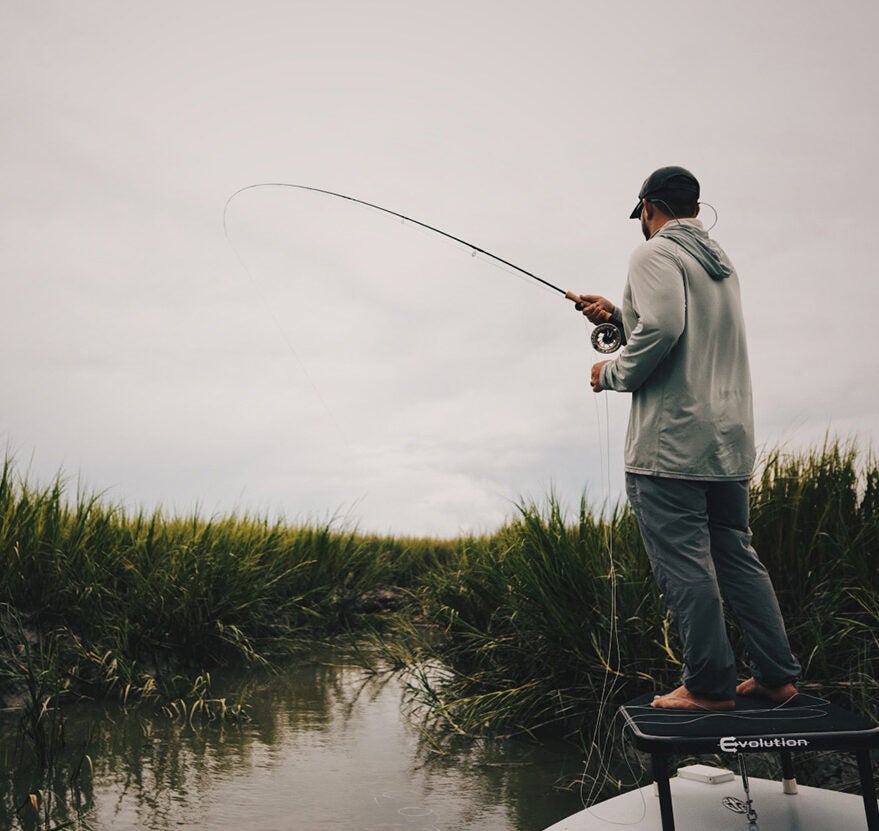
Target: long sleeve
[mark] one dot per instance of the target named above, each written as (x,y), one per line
(658,302)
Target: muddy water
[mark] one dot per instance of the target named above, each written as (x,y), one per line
(327,747)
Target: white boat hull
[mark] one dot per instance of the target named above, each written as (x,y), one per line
(698,806)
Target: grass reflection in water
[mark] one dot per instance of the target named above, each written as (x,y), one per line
(328,746)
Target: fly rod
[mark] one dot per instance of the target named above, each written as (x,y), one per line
(606,337)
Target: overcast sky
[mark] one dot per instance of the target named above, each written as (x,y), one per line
(355,366)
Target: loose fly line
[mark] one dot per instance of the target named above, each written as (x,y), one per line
(606,338)
(601,738)
(283,333)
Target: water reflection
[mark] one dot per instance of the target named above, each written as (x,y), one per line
(327,748)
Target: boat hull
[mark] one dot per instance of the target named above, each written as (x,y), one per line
(699,806)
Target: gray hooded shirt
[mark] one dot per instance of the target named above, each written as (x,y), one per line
(685,360)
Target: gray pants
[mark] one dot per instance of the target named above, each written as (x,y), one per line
(699,544)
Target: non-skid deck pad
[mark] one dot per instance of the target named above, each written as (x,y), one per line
(824,724)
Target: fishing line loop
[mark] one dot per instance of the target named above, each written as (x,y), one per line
(716,215)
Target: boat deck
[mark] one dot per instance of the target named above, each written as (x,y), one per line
(701,806)
(808,723)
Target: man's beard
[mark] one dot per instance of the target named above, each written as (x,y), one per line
(644,229)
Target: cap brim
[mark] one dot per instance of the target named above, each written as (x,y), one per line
(637,212)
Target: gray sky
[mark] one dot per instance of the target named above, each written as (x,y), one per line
(364,368)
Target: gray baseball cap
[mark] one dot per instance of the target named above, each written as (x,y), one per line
(666,181)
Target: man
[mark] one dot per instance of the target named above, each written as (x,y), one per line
(690,450)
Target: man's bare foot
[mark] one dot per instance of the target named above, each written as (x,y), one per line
(777,695)
(683,699)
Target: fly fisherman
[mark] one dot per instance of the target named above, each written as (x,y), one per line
(689,449)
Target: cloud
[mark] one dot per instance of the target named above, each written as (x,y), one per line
(356,364)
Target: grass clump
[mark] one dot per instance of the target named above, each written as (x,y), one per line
(546,620)
(535,625)
(815,516)
(134,601)
(540,621)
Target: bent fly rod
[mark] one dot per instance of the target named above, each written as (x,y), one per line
(606,337)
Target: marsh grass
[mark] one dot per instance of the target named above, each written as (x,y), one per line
(816,525)
(136,601)
(545,625)
(96,601)
(547,620)
(542,621)
(548,625)
(32,659)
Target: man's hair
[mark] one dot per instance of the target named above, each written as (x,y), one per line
(678,204)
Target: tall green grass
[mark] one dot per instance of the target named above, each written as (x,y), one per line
(134,601)
(815,516)
(548,618)
(538,623)
(533,625)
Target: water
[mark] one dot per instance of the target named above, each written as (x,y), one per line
(328,747)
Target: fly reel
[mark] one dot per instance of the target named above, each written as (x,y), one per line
(606,338)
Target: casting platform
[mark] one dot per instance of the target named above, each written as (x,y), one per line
(808,723)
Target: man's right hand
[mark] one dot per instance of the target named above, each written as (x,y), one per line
(596,309)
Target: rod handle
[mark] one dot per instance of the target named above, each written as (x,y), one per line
(575,299)
(578,305)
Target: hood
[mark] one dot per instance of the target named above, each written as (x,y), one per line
(694,239)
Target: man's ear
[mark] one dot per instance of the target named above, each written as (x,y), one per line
(649,210)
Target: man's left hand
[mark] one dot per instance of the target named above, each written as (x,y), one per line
(596,375)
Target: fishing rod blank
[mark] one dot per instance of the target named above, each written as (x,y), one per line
(606,337)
